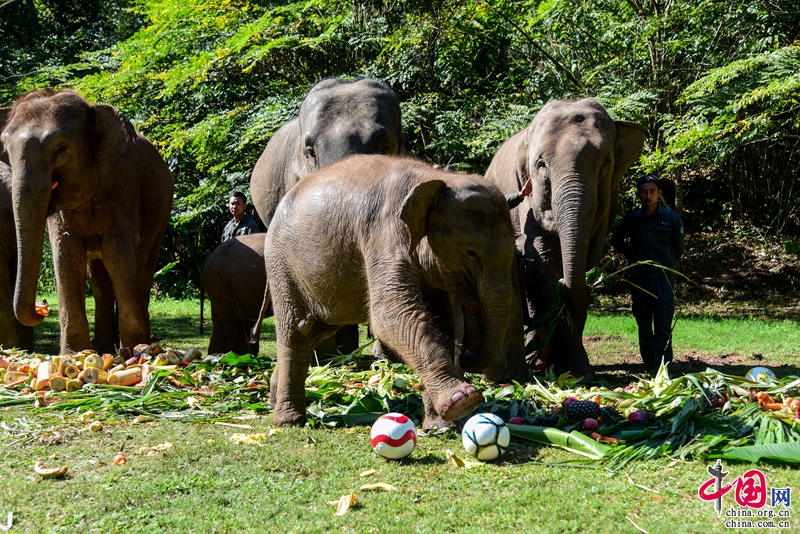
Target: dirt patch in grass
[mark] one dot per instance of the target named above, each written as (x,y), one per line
(733,273)
(629,365)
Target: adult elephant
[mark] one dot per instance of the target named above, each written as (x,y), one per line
(105,194)
(234,278)
(576,156)
(389,241)
(337,119)
(12,332)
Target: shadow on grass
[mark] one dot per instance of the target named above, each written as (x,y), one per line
(617,374)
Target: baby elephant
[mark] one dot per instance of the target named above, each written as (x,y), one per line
(389,241)
(233,277)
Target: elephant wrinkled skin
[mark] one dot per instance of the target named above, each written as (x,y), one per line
(389,241)
(576,156)
(12,332)
(105,194)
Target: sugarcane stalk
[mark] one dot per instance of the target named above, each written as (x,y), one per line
(126,377)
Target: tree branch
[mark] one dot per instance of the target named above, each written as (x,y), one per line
(575,81)
(6,3)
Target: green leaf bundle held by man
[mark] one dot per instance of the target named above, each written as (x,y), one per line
(652,234)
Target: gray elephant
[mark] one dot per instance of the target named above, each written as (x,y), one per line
(105,194)
(234,278)
(12,332)
(576,155)
(337,119)
(389,241)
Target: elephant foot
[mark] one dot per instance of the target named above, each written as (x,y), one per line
(288,415)
(461,403)
(433,422)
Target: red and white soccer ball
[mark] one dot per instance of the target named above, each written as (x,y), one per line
(485,436)
(393,436)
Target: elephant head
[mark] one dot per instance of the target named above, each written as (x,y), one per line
(467,250)
(337,119)
(60,148)
(576,155)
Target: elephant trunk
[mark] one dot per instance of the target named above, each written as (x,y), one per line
(578,206)
(30,202)
(495,298)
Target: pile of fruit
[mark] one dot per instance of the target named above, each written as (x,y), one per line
(71,372)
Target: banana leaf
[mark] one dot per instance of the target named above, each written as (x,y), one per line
(782,452)
(573,442)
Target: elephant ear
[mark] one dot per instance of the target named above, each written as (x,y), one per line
(521,159)
(113,134)
(627,149)
(415,208)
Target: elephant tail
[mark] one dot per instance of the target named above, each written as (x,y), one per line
(255,333)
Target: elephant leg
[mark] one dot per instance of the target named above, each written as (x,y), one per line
(238,335)
(69,262)
(134,320)
(287,384)
(218,344)
(427,349)
(12,332)
(566,351)
(105,335)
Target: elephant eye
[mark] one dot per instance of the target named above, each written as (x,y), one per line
(540,163)
(310,151)
(59,151)
(473,255)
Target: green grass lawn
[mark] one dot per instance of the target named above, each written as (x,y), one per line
(204,482)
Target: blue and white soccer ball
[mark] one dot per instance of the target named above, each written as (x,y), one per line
(760,375)
(485,436)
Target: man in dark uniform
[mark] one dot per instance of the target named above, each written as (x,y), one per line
(242,223)
(652,233)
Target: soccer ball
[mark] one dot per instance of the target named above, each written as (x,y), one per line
(485,436)
(393,436)
(761,375)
